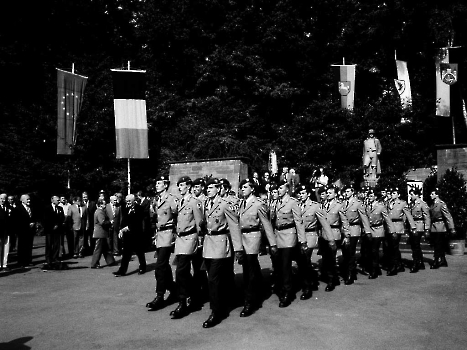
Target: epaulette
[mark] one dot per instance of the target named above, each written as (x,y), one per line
(295,199)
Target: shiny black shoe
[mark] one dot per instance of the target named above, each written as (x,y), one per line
(285,301)
(181,311)
(421,265)
(400,268)
(96,267)
(373,276)
(436,264)
(348,281)
(443,262)
(307,294)
(364,272)
(414,268)
(330,287)
(118,273)
(141,271)
(247,310)
(392,272)
(157,303)
(212,321)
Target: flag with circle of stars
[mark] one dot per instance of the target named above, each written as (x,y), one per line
(70,88)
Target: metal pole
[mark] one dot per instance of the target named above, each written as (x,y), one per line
(129,178)
(453,131)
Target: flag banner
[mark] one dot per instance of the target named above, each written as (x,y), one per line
(272,166)
(403,84)
(344,75)
(70,94)
(448,90)
(131,127)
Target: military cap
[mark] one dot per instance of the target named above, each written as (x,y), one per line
(273,187)
(199,181)
(213,181)
(322,189)
(416,191)
(225,182)
(283,182)
(249,181)
(301,188)
(185,179)
(371,131)
(347,187)
(395,189)
(163,178)
(371,191)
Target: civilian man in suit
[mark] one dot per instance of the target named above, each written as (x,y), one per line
(223,233)
(114,213)
(4,232)
(132,235)
(145,204)
(13,205)
(289,230)
(441,221)
(253,213)
(165,216)
(102,225)
(27,220)
(77,218)
(355,212)
(421,215)
(90,207)
(54,222)
(189,220)
(67,234)
(399,213)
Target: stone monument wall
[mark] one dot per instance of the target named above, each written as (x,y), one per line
(449,156)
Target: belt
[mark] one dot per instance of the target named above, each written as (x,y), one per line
(166,227)
(335,226)
(251,229)
(310,230)
(187,233)
(285,227)
(354,224)
(397,220)
(418,219)
(376,225)
(217,233)
(437,220)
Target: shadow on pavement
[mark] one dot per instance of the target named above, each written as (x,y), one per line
(17,344)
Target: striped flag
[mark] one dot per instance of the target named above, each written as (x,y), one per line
(448,90)
(403,84)
(131,127)
(344,75)
(70,88)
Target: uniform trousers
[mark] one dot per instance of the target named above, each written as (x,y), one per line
(284,264)
(329,266)
(102,248)
(78,238)
(25,245)
(183,277)
(308,275)
(394,251)
(163,271)
(252,278)
(52,247)
(440,241)
(349,267)
(365,252)
(415,239)
(4,250)
(200,277)
(130,246)
(375,243)
(218,282)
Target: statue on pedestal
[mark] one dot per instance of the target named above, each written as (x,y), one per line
(371,165)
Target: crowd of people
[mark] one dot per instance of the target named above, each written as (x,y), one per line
(207,228)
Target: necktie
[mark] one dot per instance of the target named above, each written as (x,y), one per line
(79,211)
(28,210)
(244,204)
(182,202)
(113,210)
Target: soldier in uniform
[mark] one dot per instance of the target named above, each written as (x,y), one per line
(289,230)
(421,215)
(399,213)
(339,226)
(164,216)
(355,212)
(198,189)
(223,233)
(189,219)
(253,214)
(441,221)
(377,215)
(314,221)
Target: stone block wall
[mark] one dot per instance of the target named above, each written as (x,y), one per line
(449,156)
(232,169)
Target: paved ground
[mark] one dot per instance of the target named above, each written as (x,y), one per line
(90,309)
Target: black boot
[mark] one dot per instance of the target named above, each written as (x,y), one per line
(180,311)
(415,268)
(443,262)
(156,304)
(436,264)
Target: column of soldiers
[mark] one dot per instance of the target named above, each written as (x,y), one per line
(208,229)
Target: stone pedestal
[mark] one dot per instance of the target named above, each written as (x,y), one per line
(449,156)
(232,169)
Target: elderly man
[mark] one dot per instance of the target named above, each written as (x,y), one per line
(54,224)
(77,218)
(114,213)
(132,235)
(27,220)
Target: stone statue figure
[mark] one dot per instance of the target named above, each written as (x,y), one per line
(371,151)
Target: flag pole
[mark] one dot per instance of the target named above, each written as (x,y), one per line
(74,122)
(129,176)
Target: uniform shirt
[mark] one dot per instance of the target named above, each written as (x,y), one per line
(312,213)
(253,213)
(189,219)
(378,215)
(288,221)
(421,214)
(164,215)
(399,213)
(355,213)
(222,229)
(336,218)
(440,216)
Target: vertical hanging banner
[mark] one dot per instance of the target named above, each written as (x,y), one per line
(448,90)
(70,88)
(344,75)
(131,127)
(403,84)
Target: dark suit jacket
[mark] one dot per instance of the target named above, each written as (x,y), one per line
(4,223)
(24,220)
(133,219)
(117,219)
(91,208)
(145,205)
(53,220)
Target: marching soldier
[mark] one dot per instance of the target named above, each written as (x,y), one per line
(189,220)
(198,189)
(253,213)
(165,214)
(223,232)
(377,215)
(314,220)
(399,213)
(441,221)
(355,212)
(289,230)
(339,223)
(421,215)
